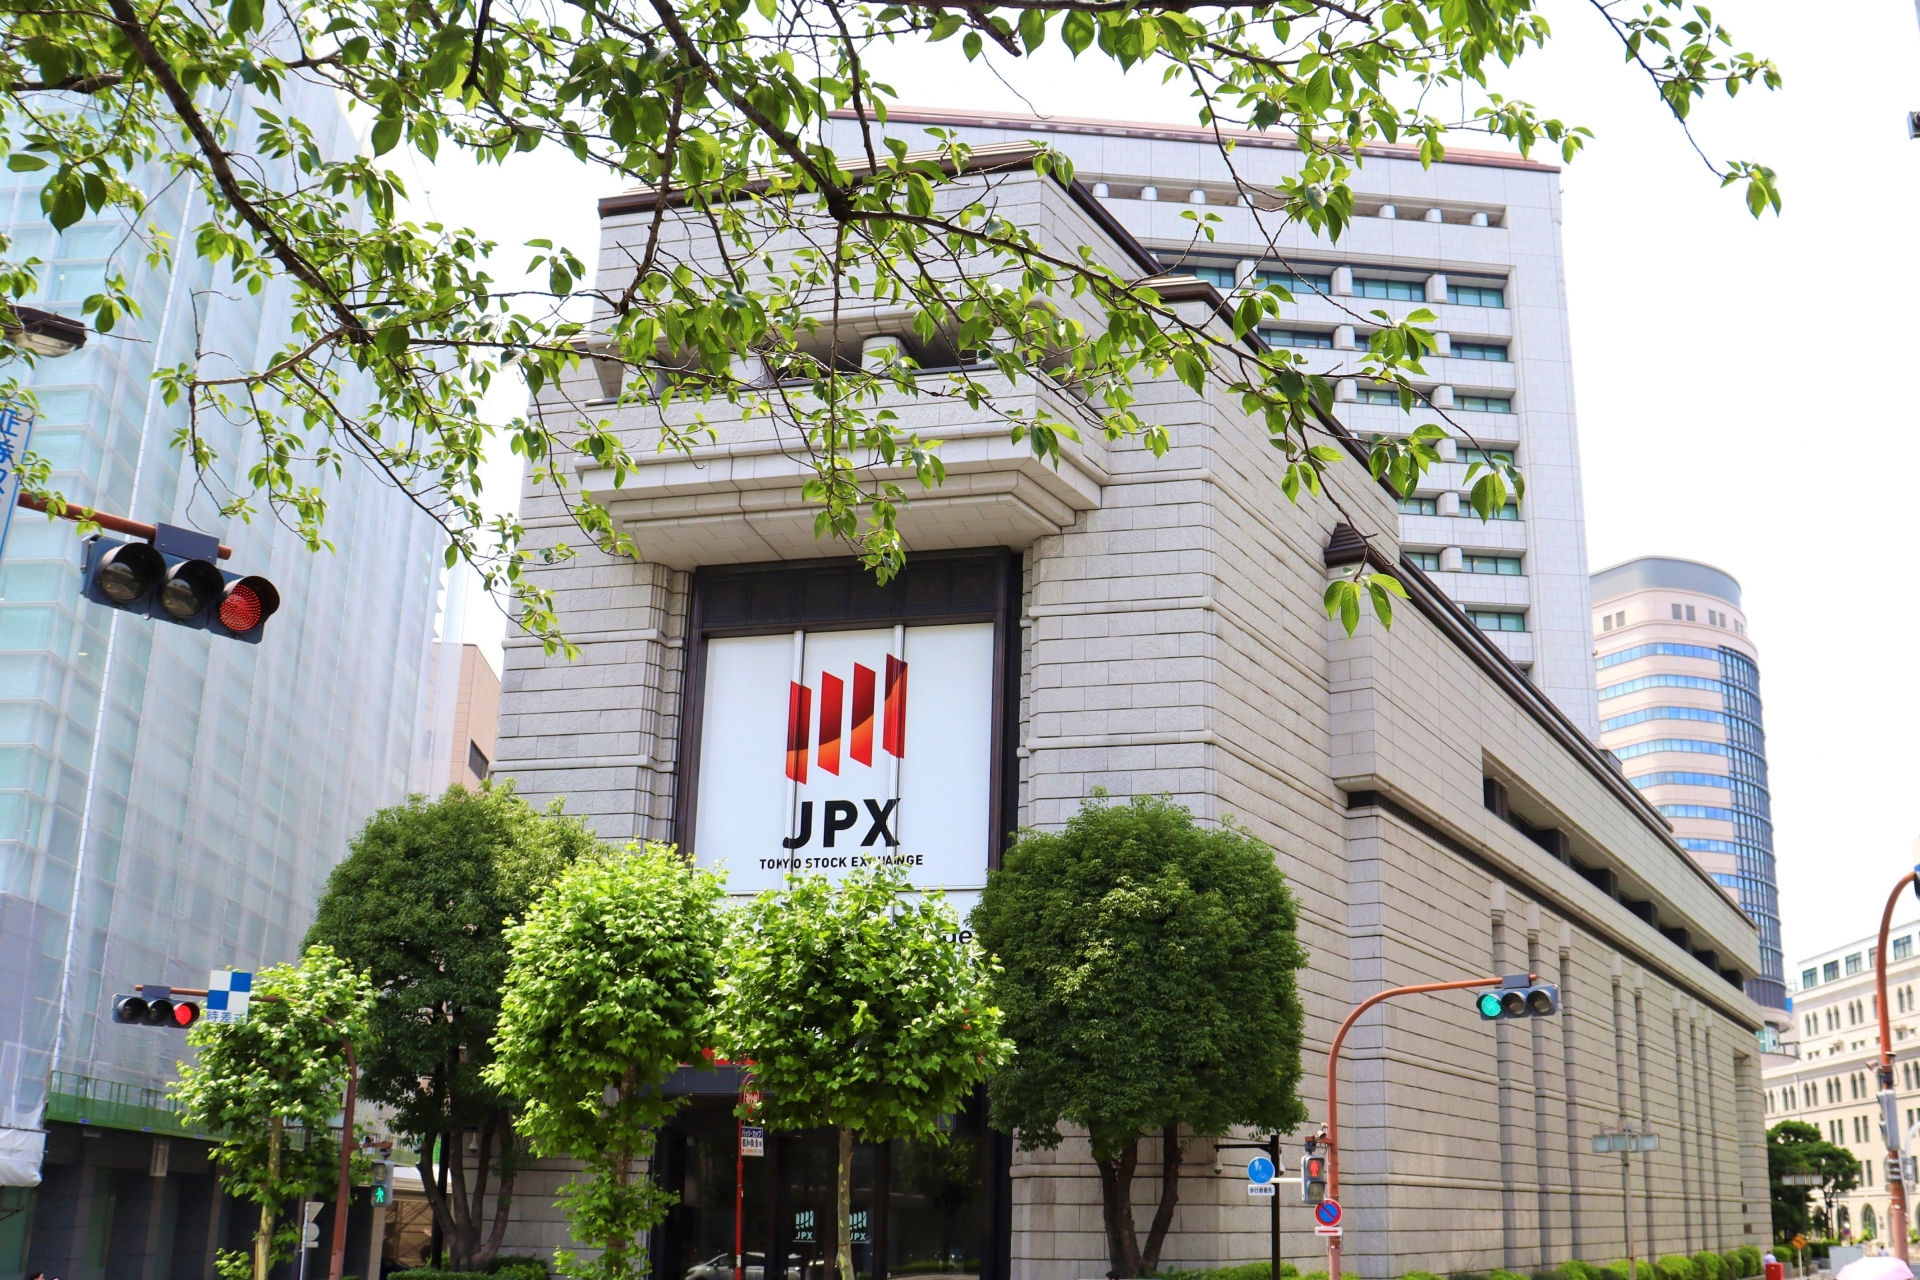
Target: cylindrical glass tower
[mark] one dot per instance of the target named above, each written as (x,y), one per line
(1680,707)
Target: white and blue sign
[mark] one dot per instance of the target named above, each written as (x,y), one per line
(229,992)
(16,428)
(1327,1213)
(1260,1169)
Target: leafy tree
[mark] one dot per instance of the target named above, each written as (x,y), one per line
(611,987)
(1794,1146)
(422,905)
(270,1087)
(721,102)
(860,1010)
(1148,977)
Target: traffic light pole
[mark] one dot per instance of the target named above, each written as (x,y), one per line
(1333,1087)
(1896,1188)
(119,524)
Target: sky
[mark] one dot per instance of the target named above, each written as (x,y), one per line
(1719,365)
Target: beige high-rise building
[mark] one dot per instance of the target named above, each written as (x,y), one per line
(1680,707)
(1831,1052)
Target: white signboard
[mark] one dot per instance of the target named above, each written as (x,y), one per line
(229,991)
(827,751)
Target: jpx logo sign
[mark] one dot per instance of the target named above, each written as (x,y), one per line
(854,779)
(856,701)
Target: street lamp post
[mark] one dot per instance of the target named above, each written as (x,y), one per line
(1889,1100)
(1626,1140)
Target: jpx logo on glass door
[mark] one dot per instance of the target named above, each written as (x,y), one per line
(855,773)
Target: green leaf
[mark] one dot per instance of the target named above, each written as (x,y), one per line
(386,133)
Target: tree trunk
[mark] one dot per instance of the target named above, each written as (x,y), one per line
(843,1193)
(1116,1210)
(263,1234)
(430,1185)
(503,1199)
(1170,1154)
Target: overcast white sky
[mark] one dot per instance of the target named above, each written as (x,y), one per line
(1738,381)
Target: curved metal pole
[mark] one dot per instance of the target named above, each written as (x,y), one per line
(1333,1085)
(1896,1191)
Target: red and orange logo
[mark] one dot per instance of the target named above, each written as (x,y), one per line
(859,726)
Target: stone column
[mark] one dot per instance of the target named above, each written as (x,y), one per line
(1567,1067)
(1503,1065)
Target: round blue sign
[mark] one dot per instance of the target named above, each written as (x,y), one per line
(1327,1213)
(1259,1169)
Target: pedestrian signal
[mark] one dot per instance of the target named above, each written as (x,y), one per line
(1313,1174)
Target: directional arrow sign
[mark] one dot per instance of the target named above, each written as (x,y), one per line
(1327,1213)
(1260,1169)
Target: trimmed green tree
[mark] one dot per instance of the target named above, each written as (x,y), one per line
(270,1086)
(1147,973)
(1794,1146)
(611,986)
(860,1010)
(422,905)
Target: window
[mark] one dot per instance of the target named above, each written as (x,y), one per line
(1378,395)
(1659,682)
(1297,338)
(1483,404)
(1674,778)
(1809,977)
(1420,506)
(1853,964)
(1707,812)
(1902,947)
(1807,1097)
(1398,290)
(1690,617)
(1662,713)
(1470,295)
(1218,277)
(1676,613)
(1695,745)
(1620,618)
(1509,512)
(1505,565)
(1479,350)
(1296,283)
(1607,623)
(1830,971)
(1485,456)
(1428,560)
(1497,620)
(1661,650)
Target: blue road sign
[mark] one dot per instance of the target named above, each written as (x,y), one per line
(1260,1169)
(1327,1213)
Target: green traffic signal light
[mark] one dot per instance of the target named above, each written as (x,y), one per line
(1489,1005)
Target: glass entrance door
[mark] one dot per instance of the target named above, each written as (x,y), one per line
(935,1196)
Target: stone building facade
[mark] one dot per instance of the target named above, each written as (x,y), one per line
(1157,628)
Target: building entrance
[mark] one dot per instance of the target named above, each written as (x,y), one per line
(920,1208)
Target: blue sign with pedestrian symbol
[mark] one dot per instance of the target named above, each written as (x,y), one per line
(1327,1213)
(1260,1169)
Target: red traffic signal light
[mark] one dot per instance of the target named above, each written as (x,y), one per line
(176,580)
(155,1011)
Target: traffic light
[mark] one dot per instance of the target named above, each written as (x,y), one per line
(1313,1174)
(382,1183)
(176,578)
(1518,996)
(155,1007)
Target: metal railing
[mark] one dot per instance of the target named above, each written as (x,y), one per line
(79,1099)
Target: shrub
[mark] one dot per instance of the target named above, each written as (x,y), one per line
(508,1268)
(1735,1262)
(1500,1273)
(1711,1265)
(1574,1269)
(1618,1271)
(1420,1275)
(1677,1266)
(1240,1271)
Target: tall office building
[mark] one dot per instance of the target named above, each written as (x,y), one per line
(170,802)
(1679,685)
(1476,240)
